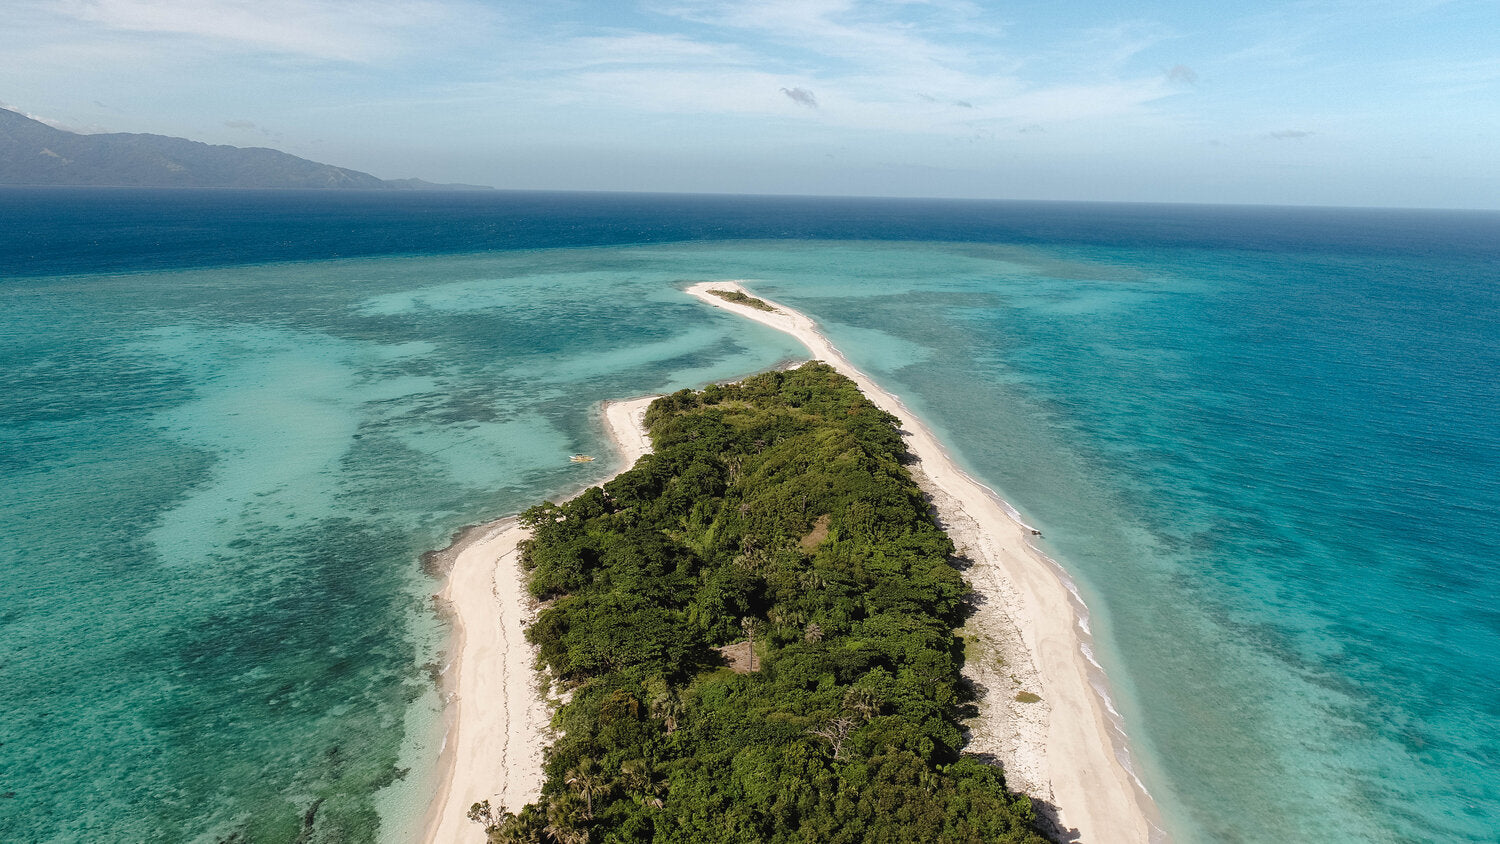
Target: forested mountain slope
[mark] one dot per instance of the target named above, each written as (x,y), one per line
(33,153)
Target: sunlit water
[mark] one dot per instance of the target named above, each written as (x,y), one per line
(1265,446)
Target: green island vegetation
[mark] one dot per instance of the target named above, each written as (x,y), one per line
(740,297)
(773,521)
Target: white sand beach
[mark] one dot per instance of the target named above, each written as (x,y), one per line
(1064,748)
(499,719)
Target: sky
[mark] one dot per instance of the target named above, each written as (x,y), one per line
(1314,102)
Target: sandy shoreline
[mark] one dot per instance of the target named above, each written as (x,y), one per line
(1066,749)
(499,721)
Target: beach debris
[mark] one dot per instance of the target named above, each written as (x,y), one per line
(581,458)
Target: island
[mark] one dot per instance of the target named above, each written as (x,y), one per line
(761,631)
(740,297)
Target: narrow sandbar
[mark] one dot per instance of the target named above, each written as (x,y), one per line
(1065,748)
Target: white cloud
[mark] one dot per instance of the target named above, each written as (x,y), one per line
(868,33)
(684,90)
(622,48)
(324,29)
(924,67)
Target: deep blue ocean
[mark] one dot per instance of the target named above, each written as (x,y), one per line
(1264,441)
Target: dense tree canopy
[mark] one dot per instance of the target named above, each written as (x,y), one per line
(774,512)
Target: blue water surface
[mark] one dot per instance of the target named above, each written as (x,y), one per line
(1263,440)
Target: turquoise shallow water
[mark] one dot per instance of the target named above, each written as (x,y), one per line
(1279,497)
(1268,455)
(218,486)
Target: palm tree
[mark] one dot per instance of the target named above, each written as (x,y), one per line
(638,778)
(589,782)
(748,624)
(515,832)
(864,702)
(668,707)
(564,824)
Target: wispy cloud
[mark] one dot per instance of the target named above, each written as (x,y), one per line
(626,47)
(912,67)
(24,113)
(1184,74)
(252,126)
(801,96)
(1289,135)
(927,67)
(869,33)
(324,29)
(1449,77)
(1110,50)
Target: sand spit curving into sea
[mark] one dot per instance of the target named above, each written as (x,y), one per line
(1068,748)
(499,719)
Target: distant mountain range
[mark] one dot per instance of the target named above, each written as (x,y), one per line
(33,153)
